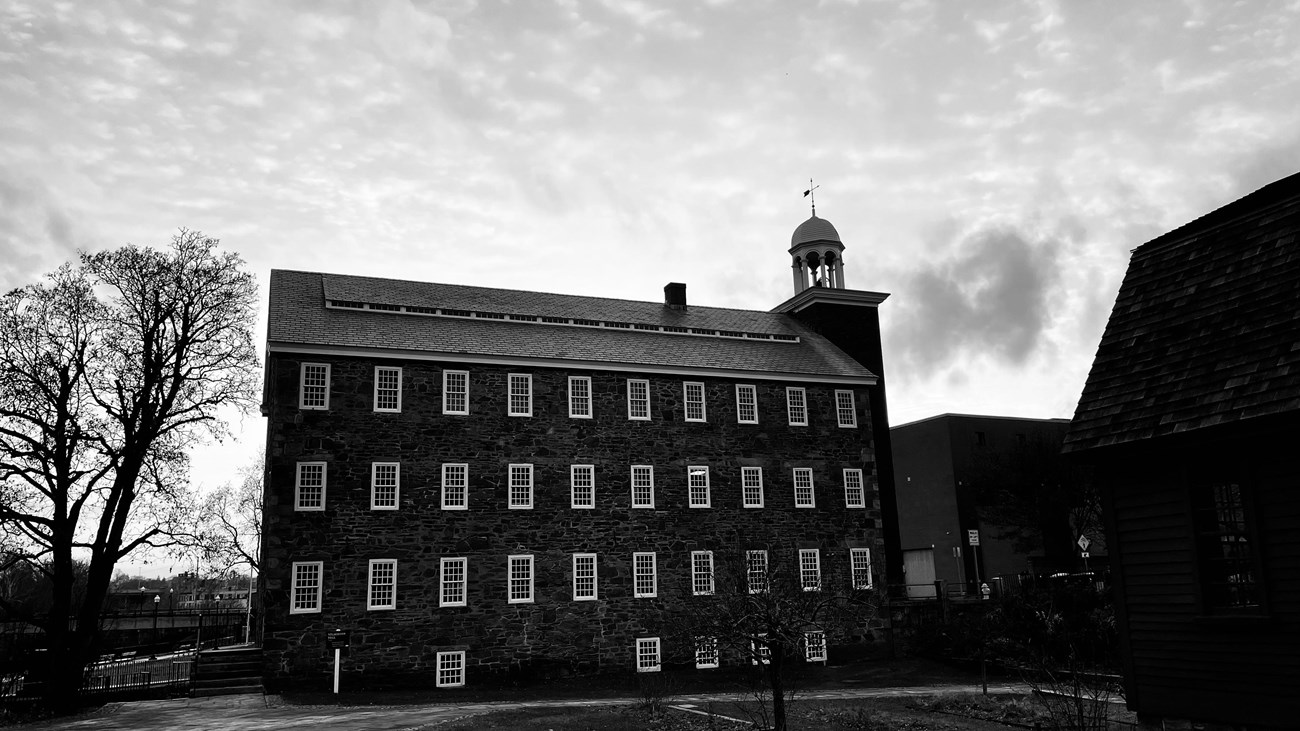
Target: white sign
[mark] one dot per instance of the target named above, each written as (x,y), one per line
(1084,543)
(973,537)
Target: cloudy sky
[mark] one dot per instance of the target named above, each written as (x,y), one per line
(990,164)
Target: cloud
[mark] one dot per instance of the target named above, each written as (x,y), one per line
(988,300)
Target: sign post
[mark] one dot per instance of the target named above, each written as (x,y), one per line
(973,538)
(338,641)
(1084,542)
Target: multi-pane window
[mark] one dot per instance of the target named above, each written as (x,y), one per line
(854,494)
(845,411)
(455,392)
(756,571)
(746,404)
(382,593)
(309,486)
(860,567)
(521,487)
(388,389)
(306,587)
(521,394)
(803,488)
(751,487)
(451,669)
(579,397)
(314,386)
(584,577)
(810,569)
(706,652)
(814,646)
(760,651)
(521,579)
(647,655)
(701,572)
(796,405)
(455,487)
(1229,582)
(582,490)
(452,575)
(385,483)
(645,580)
(694,393)
(638,399)
(643,486)
(697,486)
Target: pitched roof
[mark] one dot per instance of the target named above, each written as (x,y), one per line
(314,311)
(1206,327)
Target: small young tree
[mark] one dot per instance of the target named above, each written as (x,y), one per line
(768,605)
(228,533)
(108,372)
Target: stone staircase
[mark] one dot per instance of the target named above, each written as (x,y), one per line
(227,672)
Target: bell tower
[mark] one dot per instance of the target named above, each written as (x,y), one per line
(817,255)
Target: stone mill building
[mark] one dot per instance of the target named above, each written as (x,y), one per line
(475,483)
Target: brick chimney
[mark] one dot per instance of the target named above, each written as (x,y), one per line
(675,295)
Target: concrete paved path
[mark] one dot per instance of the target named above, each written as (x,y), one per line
(268,713)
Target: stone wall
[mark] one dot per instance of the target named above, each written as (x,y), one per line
(501,638)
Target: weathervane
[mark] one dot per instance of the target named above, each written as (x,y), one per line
(810,194)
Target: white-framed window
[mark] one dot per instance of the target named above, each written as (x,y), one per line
(810,569)
(455,392)
(584,577)
(388,389)
(382,591)
(647,655)
(694,395)
(579,397)
(803,488)
(305,589)
(751,487)
(860,567)
(701,572)
(521,487)
(385,485)
(697,486)
(314,386)
(760,651)
(846,412)
(451,669)
(582,486)
(455,487)
(706,652)
(643,486)
(814,646)
(756,571)
(521,579)
(854,494)
(521,394)
(638,399)
(746,404)
(796,405)
(309,486)
(645,578)
(452,575)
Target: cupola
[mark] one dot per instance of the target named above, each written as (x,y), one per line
(817,255)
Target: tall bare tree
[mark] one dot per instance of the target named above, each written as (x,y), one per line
(109,371)
(229,530)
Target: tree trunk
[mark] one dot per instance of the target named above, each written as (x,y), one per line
(775,679)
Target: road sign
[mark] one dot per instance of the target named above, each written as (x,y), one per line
(1085,554)
(1084,543)
(973,537)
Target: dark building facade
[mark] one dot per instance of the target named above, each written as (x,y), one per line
(1192,415)
(479,482)
(1000,476)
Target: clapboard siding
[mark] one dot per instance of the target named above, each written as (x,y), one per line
(1184,662)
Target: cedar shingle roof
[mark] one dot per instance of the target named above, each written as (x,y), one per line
(299,318)
(1206,327)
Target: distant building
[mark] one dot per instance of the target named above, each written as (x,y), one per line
(999,476)
(481,483)
(1192,415)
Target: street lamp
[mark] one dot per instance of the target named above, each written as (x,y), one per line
(156,600)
